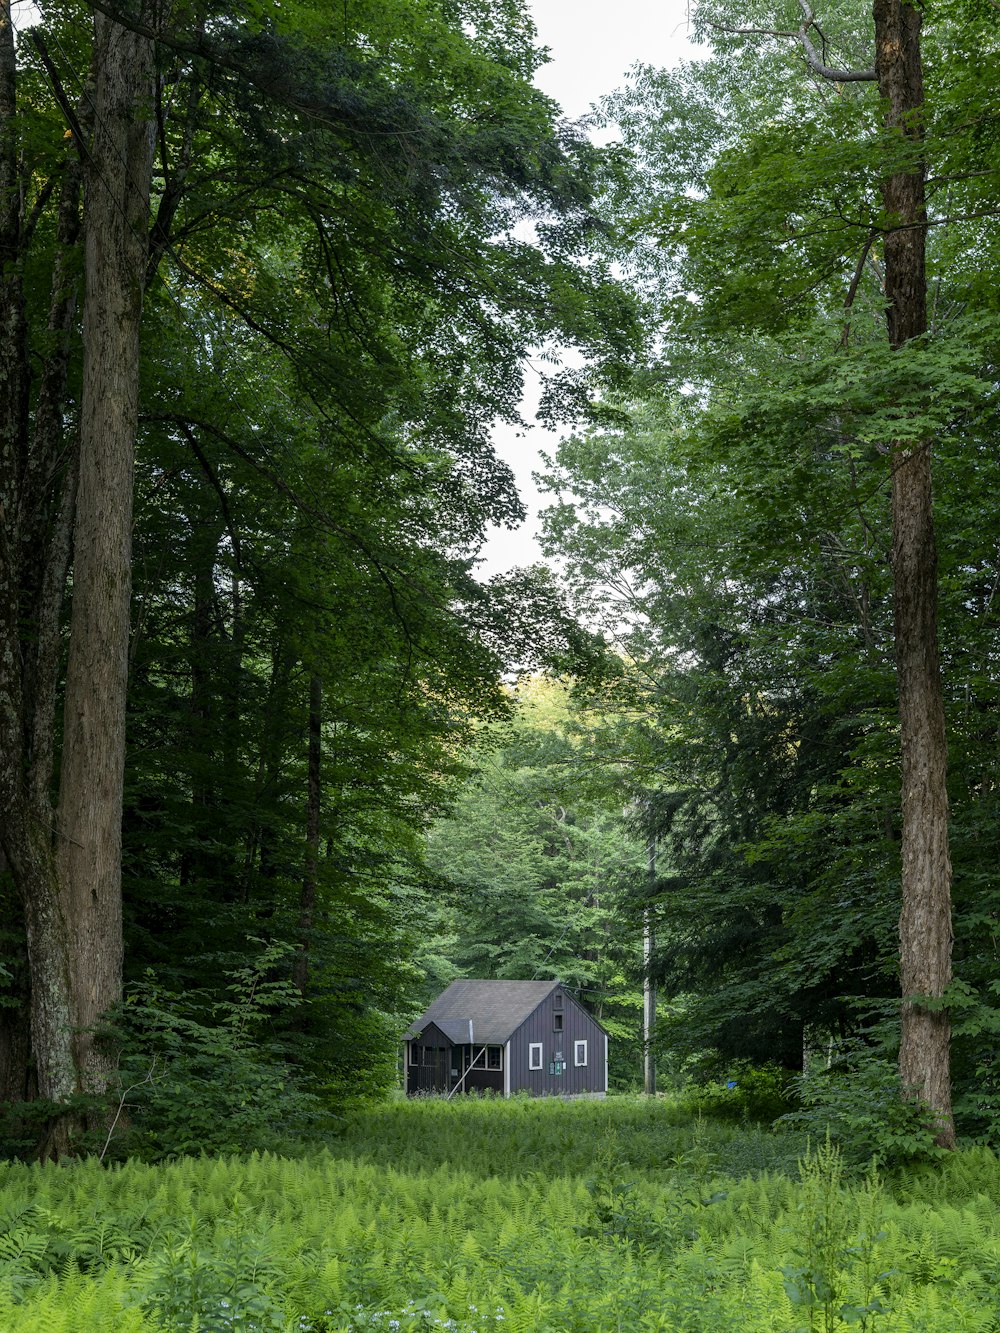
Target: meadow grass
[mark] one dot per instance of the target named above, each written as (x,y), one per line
(521,1216)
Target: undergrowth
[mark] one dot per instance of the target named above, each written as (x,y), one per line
(525,1217)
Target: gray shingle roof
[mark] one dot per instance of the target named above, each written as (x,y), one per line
(455,1029)
(497,1009)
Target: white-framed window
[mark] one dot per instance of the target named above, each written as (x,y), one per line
(534,1055)
(494,1057)
(579,1053)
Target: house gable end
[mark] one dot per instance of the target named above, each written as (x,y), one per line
(558,1050)
(547,1001)
(431,1034)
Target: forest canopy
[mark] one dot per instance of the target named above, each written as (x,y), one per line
(264,290)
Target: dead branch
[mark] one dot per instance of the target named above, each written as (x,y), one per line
(801,35)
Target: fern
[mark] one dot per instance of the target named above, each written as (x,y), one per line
(479,1219)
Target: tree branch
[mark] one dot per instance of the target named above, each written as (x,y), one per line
(79,140)
(267,82)
(38,208)
(801,35)
(216,485)
(852,290)
(348,535)
(753,32)
(816,64)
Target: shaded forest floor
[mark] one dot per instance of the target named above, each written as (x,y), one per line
(523,1217)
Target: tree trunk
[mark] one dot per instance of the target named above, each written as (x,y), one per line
(88,912)
(307,898)
(925,934)
(13,425)
(36,508)
(199,861)
(24,829)
(648,984)
(15,1027)
(259,866)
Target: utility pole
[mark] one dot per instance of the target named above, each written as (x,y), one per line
(648,989)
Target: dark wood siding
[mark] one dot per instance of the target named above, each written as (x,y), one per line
(444,1066)
(433,1073)
(577,1025)
(484,1080)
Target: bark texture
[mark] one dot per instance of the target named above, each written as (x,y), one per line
(93,756)
(45,528)
(925,932)
(30,489)
(13,423)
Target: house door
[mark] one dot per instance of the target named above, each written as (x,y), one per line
(458,1064)
(439,1058)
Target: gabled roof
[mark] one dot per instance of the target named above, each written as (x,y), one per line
(455,1029)
(496,1010)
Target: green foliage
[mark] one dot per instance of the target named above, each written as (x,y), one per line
(750,1092)
(766,778)
(341,298)
(533,860)
(859,1107)
(398,1226)
(735,537)
(198,1074)
(216,1288)
(975,1026)
(826,1252)
(24,1125)
(316,473)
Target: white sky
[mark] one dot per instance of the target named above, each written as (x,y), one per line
(23,13)
(592,44)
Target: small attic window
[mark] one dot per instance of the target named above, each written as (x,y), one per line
(557,1000)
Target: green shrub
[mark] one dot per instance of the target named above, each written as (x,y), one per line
(24,1126)
(861,1108)
(226,1286)
(749,1092)
(199,1075)
(835,1277)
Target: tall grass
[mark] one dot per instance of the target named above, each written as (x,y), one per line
(525,1135)
(527,1217)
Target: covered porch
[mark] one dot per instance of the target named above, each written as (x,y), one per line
(447,1061)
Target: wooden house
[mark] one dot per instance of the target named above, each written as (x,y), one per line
(506,1037)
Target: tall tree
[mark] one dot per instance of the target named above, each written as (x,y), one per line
(86,947)
(374,279)
(796,212)
(925,930)
(753,713)
(786,216)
